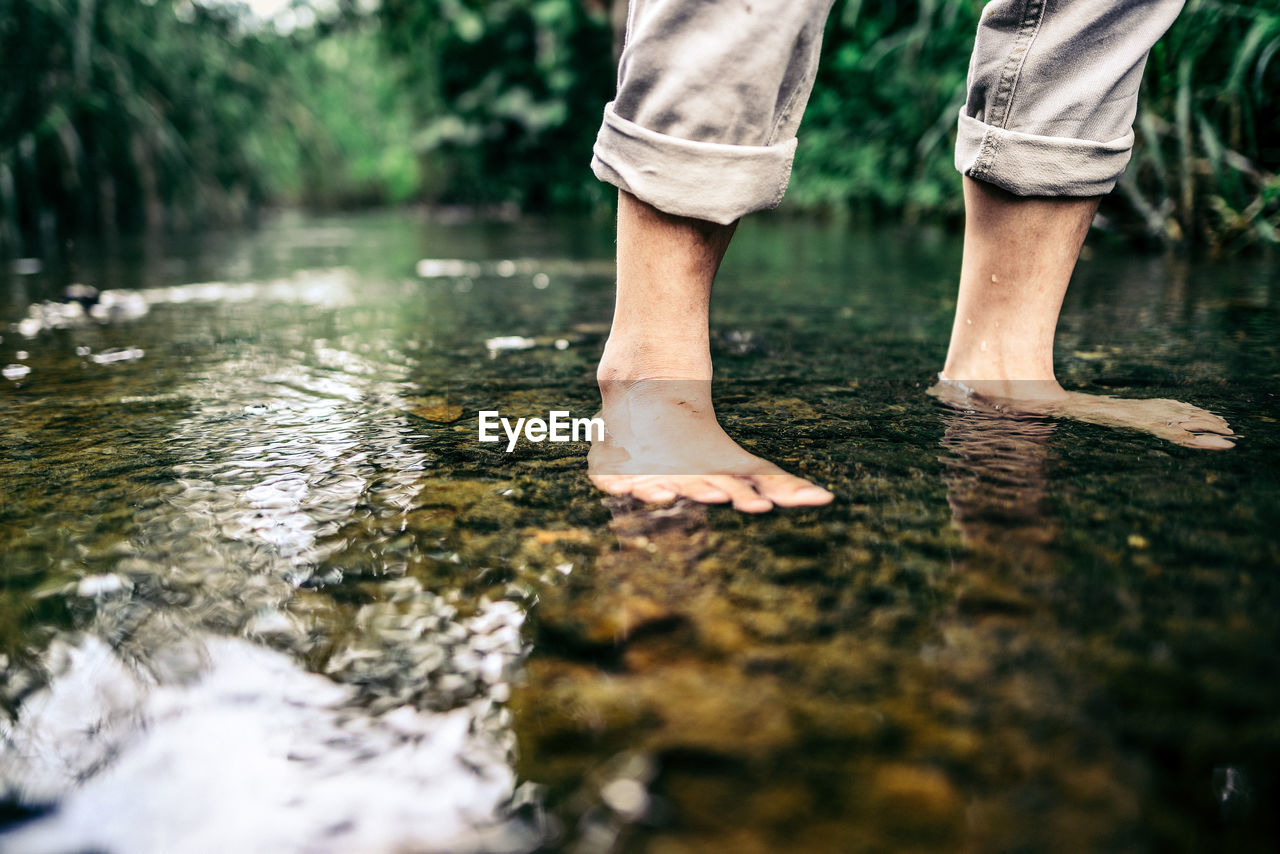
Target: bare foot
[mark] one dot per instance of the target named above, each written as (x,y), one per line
(1180,423)
(663,442)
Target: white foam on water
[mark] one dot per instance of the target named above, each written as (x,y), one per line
(251,754)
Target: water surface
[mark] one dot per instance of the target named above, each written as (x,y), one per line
(262,588)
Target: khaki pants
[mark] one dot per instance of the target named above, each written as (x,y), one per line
(710,95)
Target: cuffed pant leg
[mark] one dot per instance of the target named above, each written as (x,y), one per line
(1053,90)
(710,95)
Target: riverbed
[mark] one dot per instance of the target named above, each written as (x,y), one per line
(263,589)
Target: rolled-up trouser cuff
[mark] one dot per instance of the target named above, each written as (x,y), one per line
(704,180)
(1029,165)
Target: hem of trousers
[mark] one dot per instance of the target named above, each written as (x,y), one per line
(1030,165)
(704,180)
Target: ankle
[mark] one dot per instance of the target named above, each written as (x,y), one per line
(1002,388)
(995,357)
(629,358)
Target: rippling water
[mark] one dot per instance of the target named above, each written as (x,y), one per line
(263,589)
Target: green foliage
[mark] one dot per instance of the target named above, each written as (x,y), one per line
(1205,167)
(172,113)
(128,112)
(880,126)
(352,126)
(509,94)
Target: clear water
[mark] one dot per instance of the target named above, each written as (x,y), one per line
(263,589)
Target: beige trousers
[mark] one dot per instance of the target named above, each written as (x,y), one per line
(710,95)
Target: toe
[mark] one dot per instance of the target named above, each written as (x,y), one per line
(741,492)
(624,484)
(788,491)
(612,484)
(654,491)
(1209,424)
(699,489)
(1211,441)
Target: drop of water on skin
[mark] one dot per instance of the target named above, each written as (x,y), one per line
(994,279)
(983,346)
(968,321)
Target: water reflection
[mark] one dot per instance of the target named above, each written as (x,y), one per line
(1051,637)
(996,472)
(632,629)
(814,696)
(190,694)
(1020,678)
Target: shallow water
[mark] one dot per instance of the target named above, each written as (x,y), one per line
(263,589)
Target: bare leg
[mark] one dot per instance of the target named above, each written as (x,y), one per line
(1018,258)
(655,376)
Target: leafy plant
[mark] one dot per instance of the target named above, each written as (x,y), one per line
(881,123)
(1205,168)
(509,94)
(181,113)
(880,126)
(129,113)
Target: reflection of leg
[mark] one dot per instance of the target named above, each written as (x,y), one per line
(1047,129)
(655,376)
(996,476)
(1010,664)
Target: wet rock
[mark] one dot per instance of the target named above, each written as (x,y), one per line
(569,535)
(568,625)
(438,410)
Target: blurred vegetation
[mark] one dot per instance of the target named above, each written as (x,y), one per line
(509,95)
(121,109)
(178,114)
(121,114)
(880,127)
(1206,167)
